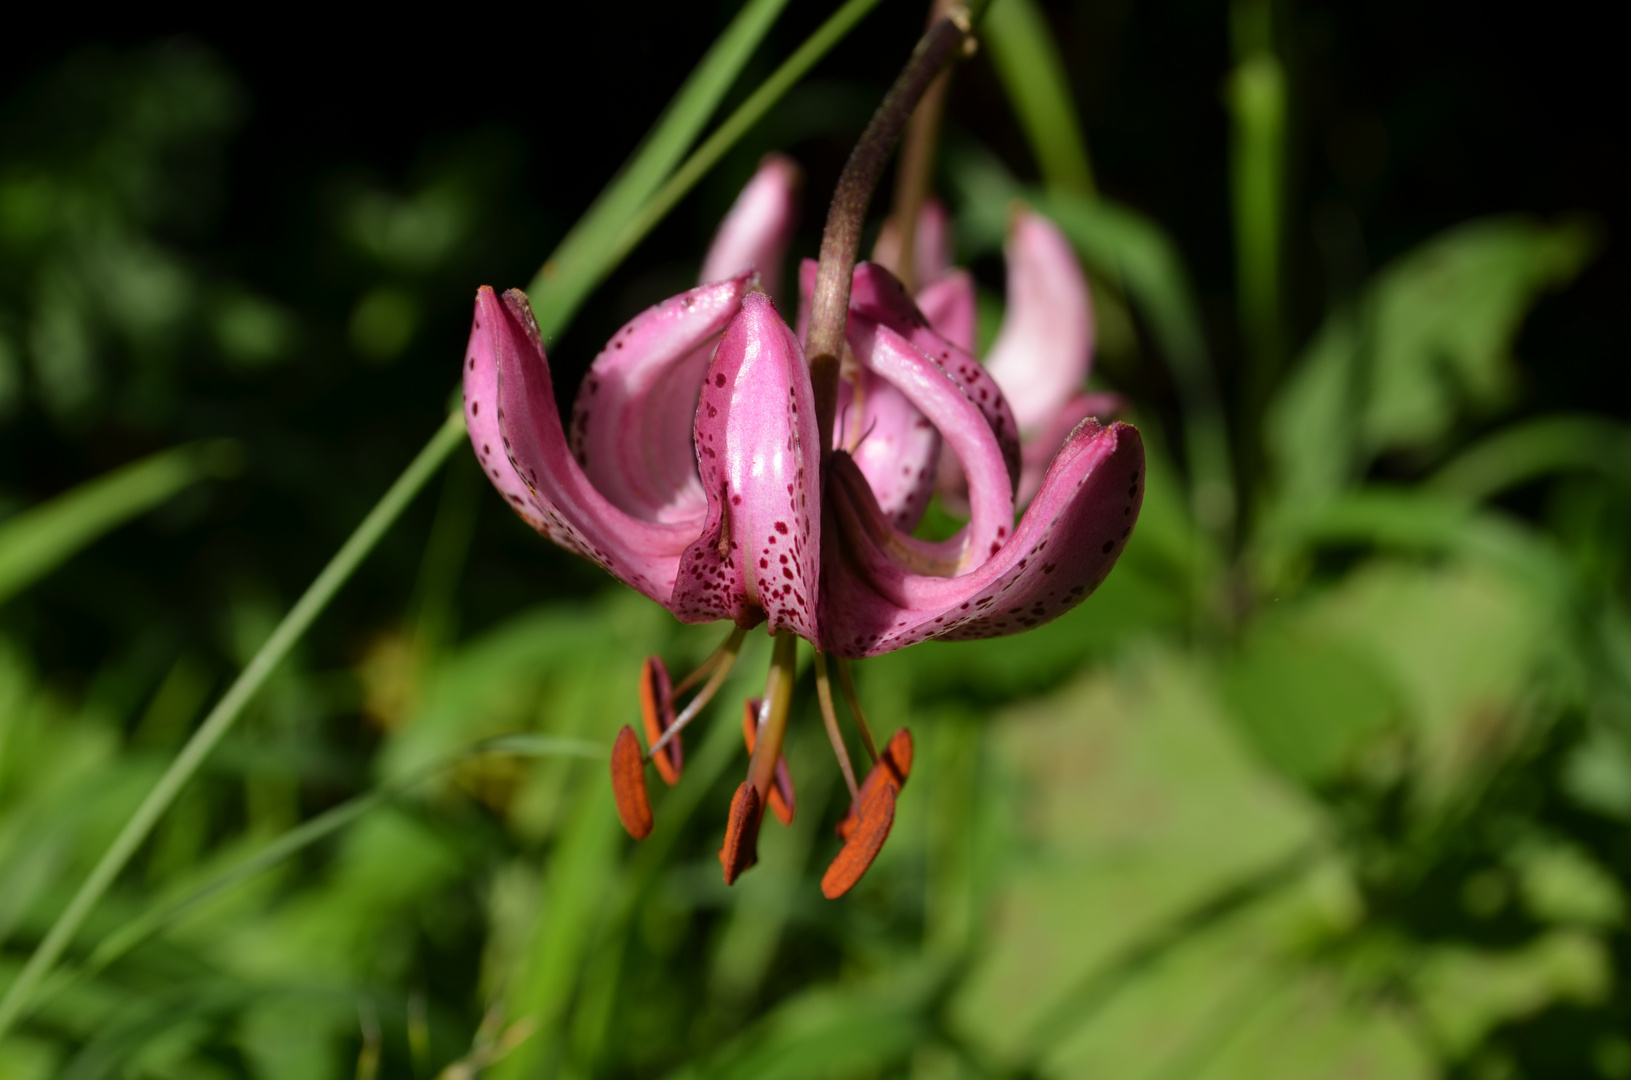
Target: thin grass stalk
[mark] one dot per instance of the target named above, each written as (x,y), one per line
(226,713)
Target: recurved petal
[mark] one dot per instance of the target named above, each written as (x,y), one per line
(760,464)
(631,423)
(756,231)
(1061,551)
(948,304)
(509,406)
(1038,451)
(1045,347)
(932,391)
(877,296)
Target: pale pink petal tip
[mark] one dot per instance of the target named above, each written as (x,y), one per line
(759,226)
(1044,349)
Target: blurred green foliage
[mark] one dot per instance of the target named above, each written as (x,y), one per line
(1332,777)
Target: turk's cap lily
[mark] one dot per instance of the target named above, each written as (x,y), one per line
(692,471)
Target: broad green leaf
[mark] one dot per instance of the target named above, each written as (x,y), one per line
(1139,806)
(1022,48)
(1464,992)
(38,540)
(1463,645)
(1426,344)
(1309,703)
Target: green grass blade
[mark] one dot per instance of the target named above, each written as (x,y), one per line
(318,828)
(226,713)
(1257,95)
(582,259)
(38,540)
(1022,49)
(1528,451)
(750,112)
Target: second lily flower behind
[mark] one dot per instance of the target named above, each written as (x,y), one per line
(694,474)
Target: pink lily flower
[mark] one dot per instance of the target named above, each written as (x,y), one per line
(694,474)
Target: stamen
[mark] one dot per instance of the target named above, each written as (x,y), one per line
(782,798)
(847,684)
(723,660)
(657,716)
(747,808)
(870,818)
(773,726)
(741,847)
(893,767)
(876,818)
(629,784)
(829,717)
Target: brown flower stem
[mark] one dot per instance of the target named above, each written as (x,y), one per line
(829,308)
(916,167)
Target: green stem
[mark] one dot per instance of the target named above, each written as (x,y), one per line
(226,713)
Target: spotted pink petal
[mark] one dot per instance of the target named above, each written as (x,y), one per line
(878,296)
(1044,349)
(895,447)
(931,244)
(1038,451)
(509,408)
(759,226)
(1063,548)
(760,463)
(933,392)
(948,304)
(631,424)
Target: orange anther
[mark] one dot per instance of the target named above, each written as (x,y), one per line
(893,767)
(741,847)
(657,713)
(782,801)
(866,836)
(629,784)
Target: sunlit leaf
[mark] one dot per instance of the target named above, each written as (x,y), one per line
(1427,343)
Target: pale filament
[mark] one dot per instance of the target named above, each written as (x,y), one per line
(720,664)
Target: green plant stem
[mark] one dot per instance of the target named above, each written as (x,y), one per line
(1021,45)
(226,713)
